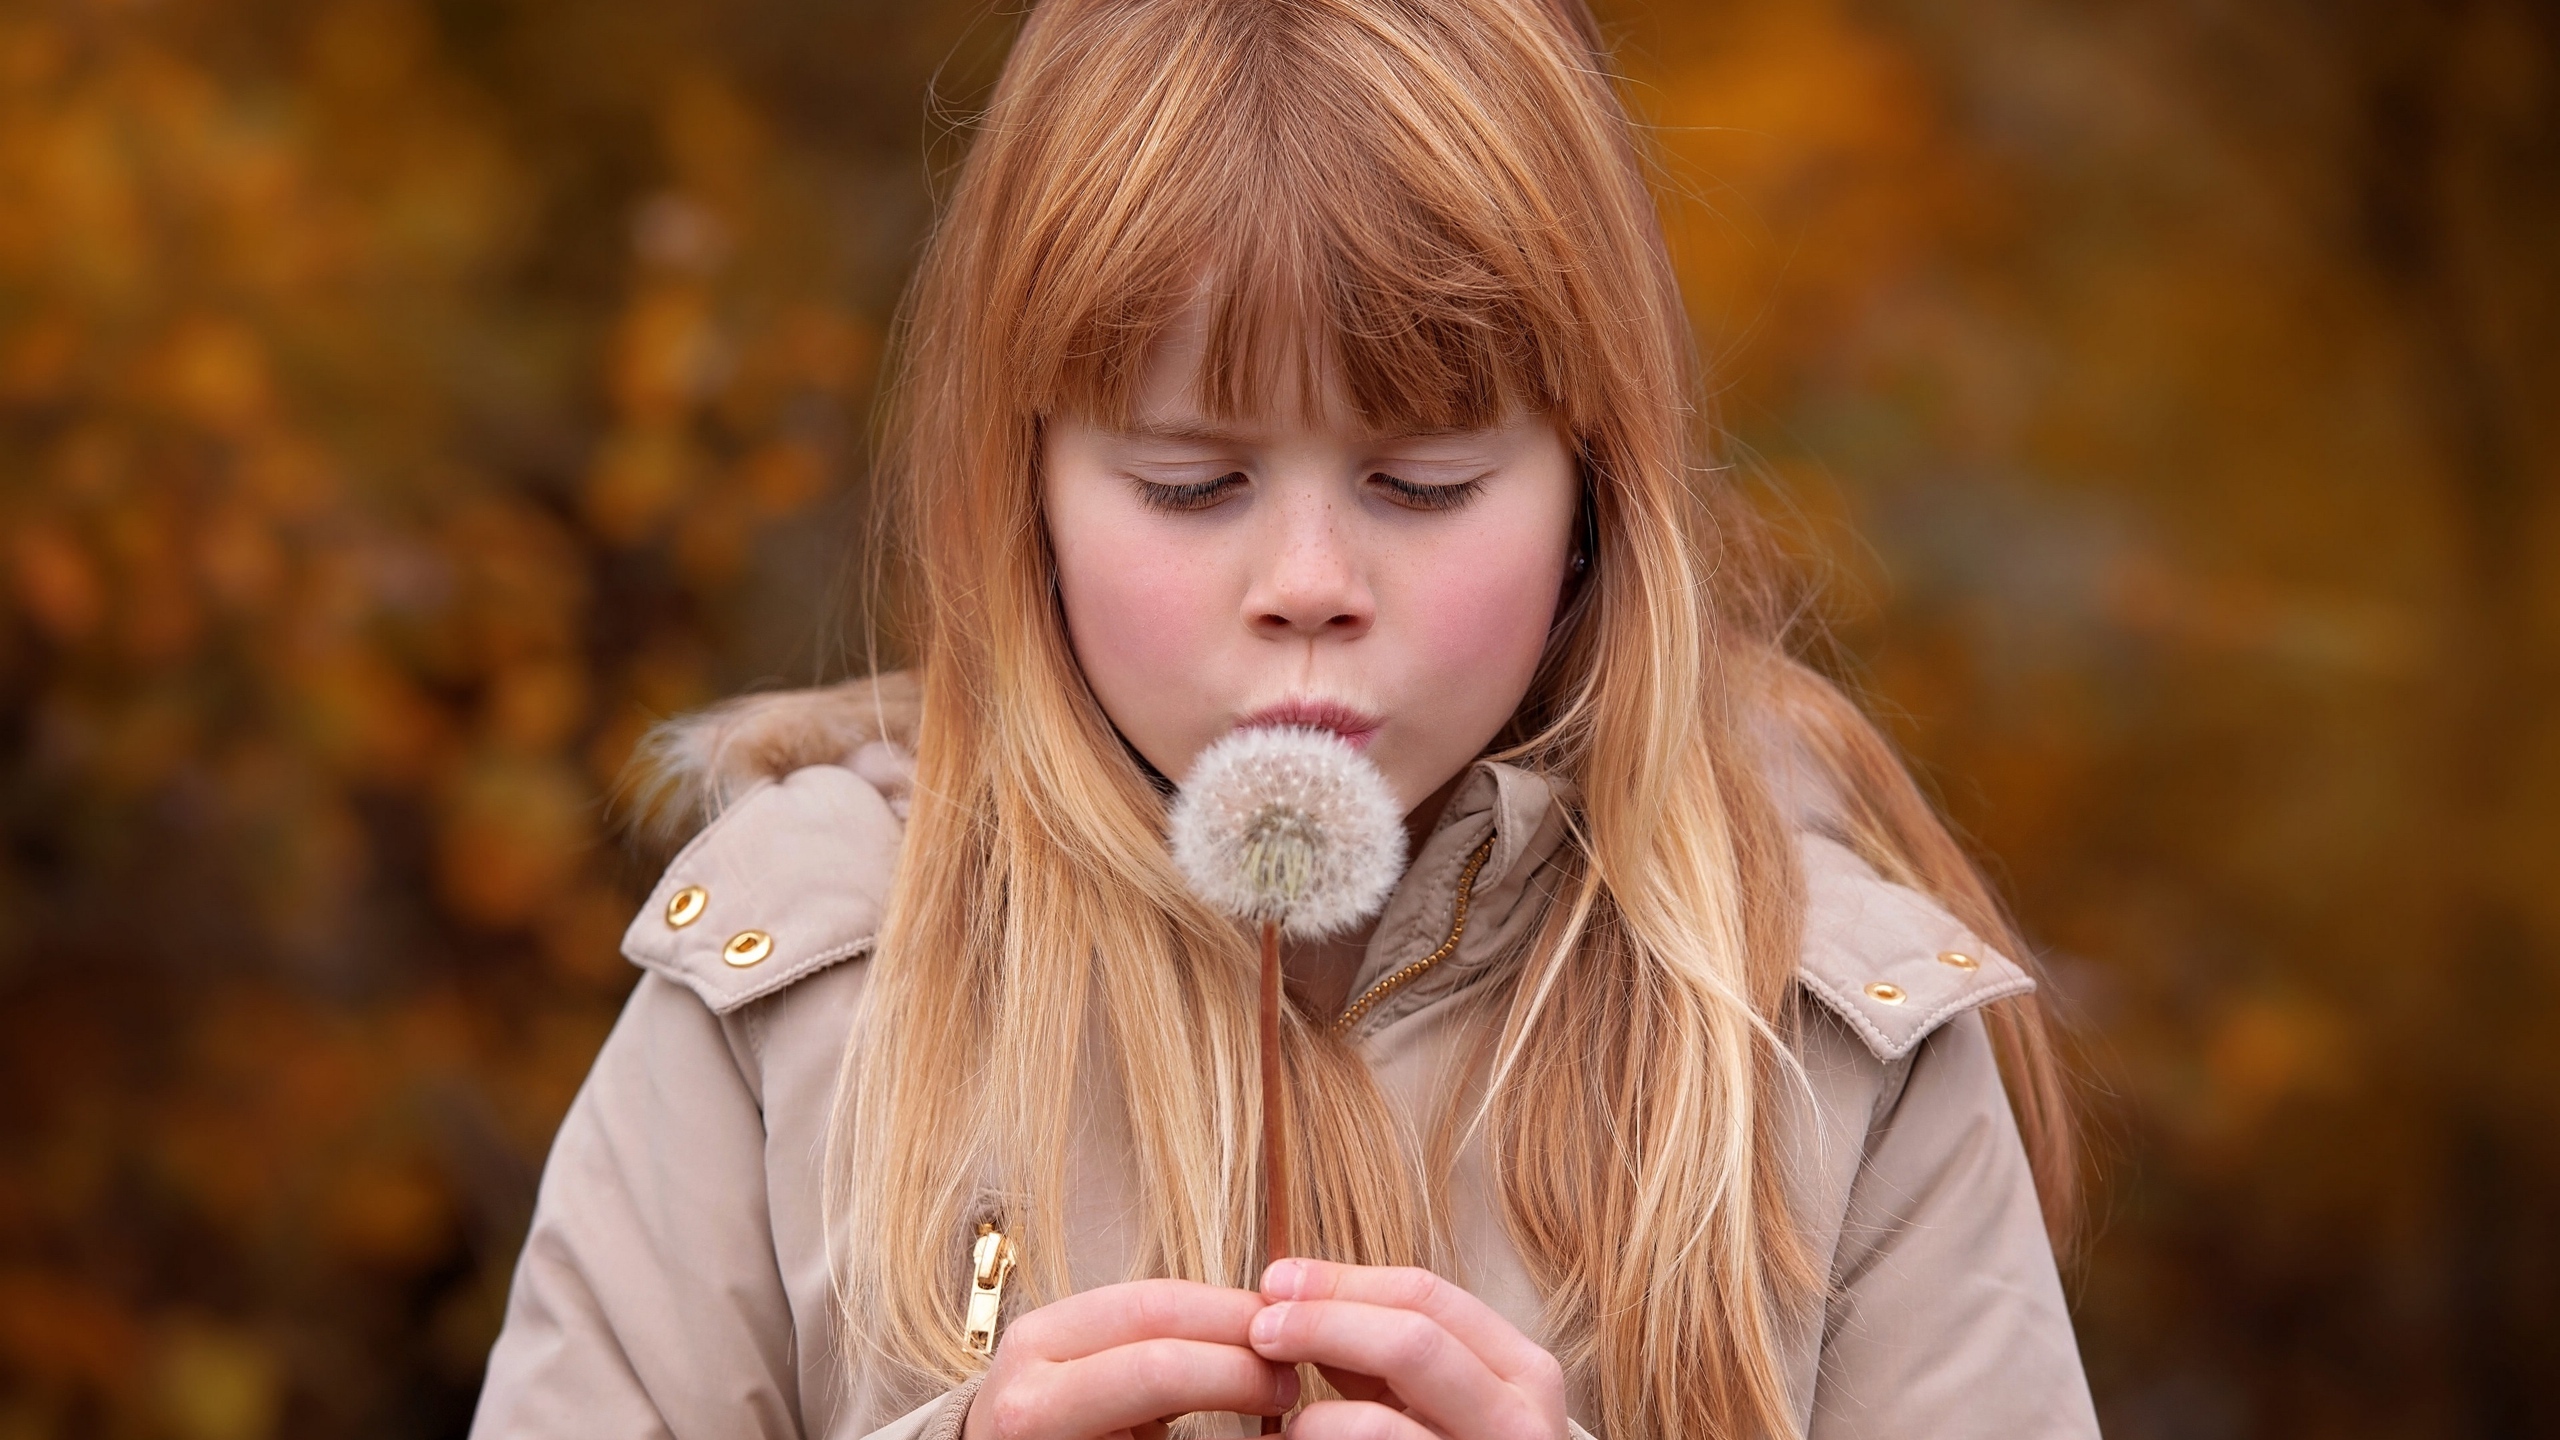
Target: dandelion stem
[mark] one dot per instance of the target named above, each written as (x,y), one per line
(1275,1120)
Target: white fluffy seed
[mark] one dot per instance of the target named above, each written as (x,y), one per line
(1290,824)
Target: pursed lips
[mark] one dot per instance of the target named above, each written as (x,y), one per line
(1357,726)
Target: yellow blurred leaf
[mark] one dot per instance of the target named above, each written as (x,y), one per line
(385,1212)
(713,540)
(56,1328)
(512,834)
(638,480)
(36,362)
(237,553)
(217,1382)
(535,705)
(666,355)
(581,933)
(214,371)
(57,582)
(782,477)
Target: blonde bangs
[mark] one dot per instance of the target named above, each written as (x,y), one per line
(1355,204)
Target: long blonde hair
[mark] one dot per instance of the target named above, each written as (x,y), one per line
(1442,203)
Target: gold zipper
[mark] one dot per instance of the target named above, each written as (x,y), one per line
(1457,926)
(990,1265)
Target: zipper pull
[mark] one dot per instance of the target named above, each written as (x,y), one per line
(990,1265)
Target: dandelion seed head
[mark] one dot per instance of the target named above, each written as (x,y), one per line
(1291,824)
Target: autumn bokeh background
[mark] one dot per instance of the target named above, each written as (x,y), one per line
(403,402)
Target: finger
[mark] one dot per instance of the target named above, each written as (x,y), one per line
(1355,1386)
(1354,1420)
(1091,1321)
(1432,1372)
(1479,1326)
(1129,1386)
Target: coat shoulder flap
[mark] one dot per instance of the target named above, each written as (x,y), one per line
(790,878)
(1888,960)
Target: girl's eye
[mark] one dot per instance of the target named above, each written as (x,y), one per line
(1427,497)
(1198,495)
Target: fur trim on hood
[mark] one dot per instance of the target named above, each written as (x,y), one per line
(688,769)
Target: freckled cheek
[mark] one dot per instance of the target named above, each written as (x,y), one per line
(1141,623)
(1481,625)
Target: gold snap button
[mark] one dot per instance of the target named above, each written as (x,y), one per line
(686,906)
(1958,959)
(1884,991)
(747,947)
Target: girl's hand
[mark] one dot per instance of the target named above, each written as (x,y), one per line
(1117,1360)
(1416,1355)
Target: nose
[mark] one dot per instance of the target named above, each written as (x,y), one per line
(1312,585)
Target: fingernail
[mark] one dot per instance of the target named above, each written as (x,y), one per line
(1284,1389)
(1266,1326)
(1285,1280)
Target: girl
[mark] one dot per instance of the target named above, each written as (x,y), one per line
(1308,362)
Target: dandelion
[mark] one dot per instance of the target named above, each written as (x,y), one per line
(1289,826)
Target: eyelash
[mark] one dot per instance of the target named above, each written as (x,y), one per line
(1199,495)
(1430,497)
(1202,494)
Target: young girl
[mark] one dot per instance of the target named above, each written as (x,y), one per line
(1308,362)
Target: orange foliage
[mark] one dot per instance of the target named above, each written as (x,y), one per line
(402,403)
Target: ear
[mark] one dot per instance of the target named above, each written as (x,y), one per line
(1586,535)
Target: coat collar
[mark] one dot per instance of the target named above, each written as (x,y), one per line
(1889,961)
(1516,819)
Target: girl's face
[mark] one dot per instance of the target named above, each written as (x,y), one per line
(1397,589)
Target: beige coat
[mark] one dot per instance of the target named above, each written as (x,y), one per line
(676,1283)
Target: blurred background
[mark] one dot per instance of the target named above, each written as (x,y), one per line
(404,402)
